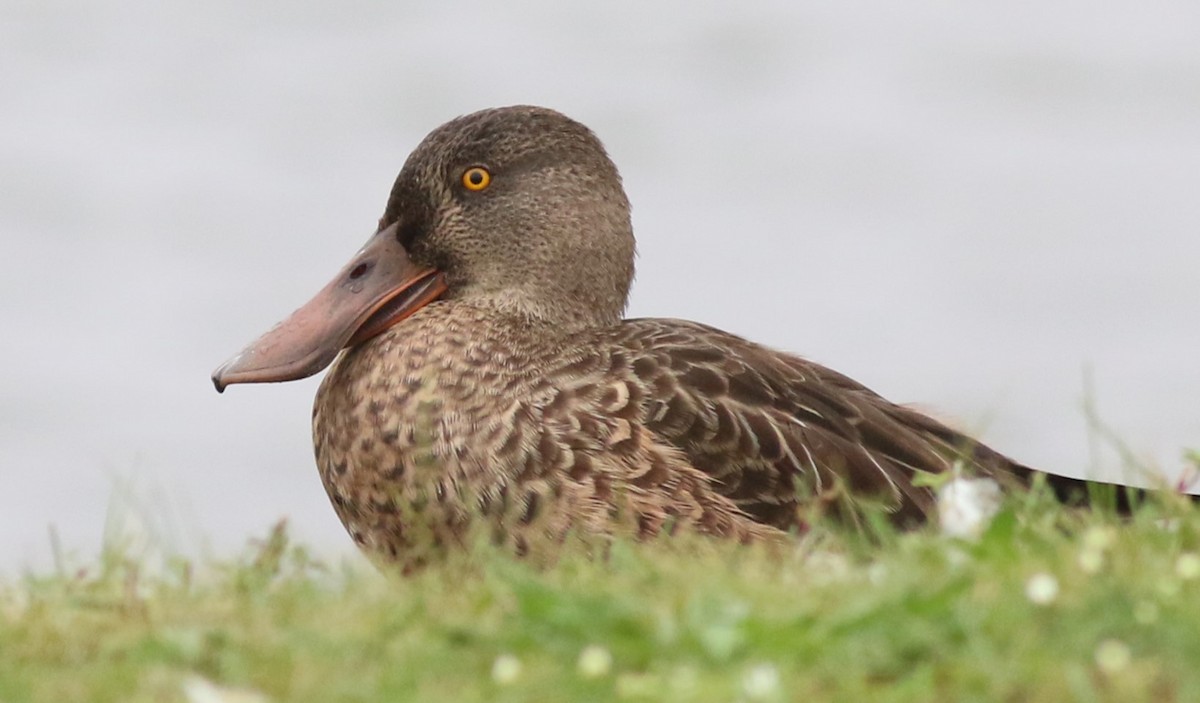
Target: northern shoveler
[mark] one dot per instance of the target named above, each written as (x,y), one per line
(486,373)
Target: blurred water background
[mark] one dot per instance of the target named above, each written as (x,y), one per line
(963,205)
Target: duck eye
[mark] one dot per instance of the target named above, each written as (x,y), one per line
(476,178)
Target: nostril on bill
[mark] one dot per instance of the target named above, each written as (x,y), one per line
(359,270)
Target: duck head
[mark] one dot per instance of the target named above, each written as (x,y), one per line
(518,208)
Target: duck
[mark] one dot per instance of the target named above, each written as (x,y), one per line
(484,376)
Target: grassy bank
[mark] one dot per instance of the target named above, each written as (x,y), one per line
(1049,605)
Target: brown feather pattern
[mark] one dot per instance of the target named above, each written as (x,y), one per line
(460,413)
(522,402)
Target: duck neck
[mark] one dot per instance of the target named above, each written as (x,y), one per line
(534,308)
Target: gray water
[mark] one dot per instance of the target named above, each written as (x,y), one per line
(959,205)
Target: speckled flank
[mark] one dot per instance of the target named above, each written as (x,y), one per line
(464,412)
(522,402)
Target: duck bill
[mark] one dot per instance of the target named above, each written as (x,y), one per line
(378,288)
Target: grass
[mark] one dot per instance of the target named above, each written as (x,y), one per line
(1050,604)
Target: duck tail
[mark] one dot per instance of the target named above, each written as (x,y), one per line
(1120,498)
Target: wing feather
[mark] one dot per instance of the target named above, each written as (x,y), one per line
(769,427)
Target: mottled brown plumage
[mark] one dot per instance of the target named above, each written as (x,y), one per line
(522,402)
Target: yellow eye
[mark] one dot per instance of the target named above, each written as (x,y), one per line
(476,178)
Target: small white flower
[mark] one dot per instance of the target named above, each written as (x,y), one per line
(1112,656)
(877,573)
(1041,589)
(1187,566)
(594,661)
(966,506)
(827,567)
(1091,560)
(1098,538)
(1168,524)
(506,669)
(761,682)
(197,689)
